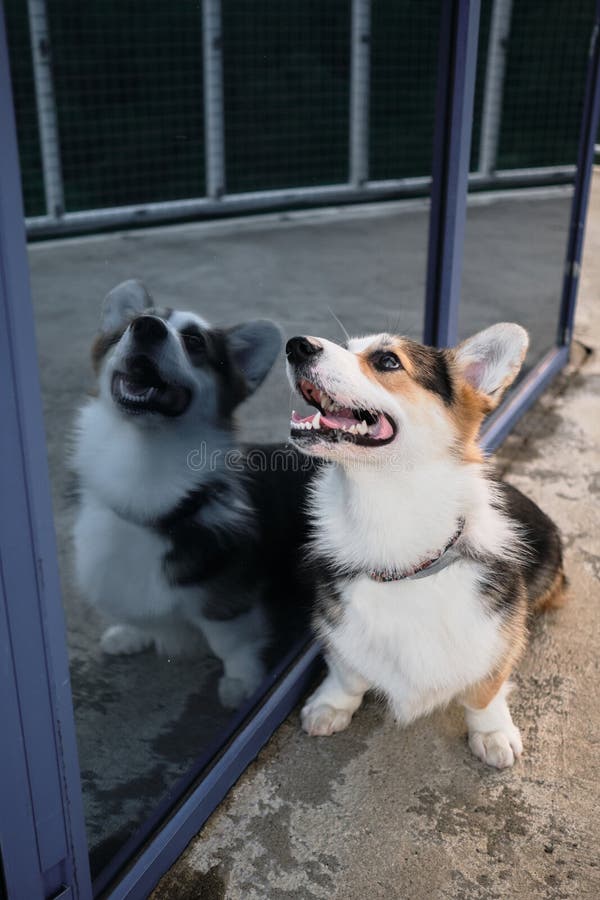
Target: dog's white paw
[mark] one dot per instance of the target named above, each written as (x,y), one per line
(233,691)
(123,640)
(319,719)
(244,673)
(497,748)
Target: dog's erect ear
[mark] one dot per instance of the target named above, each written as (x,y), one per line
(255,346)
(123,303)
(490,360)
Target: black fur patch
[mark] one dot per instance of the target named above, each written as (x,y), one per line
(543,559)
(506,583)
(431,370)
(328,608)
(232,385)
(501,584)
(201,551)
(265,557)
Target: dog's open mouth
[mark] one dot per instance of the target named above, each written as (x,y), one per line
(142,390)
(335,422)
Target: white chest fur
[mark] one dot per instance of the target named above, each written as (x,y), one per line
(119,566)
(418,642)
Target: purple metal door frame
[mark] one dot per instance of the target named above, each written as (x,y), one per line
(42,832)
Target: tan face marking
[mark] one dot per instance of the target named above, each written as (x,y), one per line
(102,344)
(397,381)
(429,376)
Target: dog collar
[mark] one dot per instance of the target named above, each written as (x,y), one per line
(427,567)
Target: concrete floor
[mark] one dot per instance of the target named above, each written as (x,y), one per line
(142,721)
(380,812)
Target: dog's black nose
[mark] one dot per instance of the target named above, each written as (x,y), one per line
(149,329)
(300,349)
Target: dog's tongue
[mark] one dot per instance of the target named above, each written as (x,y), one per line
(339,420)
(383,429)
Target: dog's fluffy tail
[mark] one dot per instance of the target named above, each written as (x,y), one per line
(555,596)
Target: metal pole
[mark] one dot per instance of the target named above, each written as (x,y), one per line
(46,108)
(359,92)
(493,91)
(214,131)
(457,65)
(583,178)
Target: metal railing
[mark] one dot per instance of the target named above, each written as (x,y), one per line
(217,199)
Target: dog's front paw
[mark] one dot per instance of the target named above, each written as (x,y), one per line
(320,719)
(497,748)
(244,673)
(123,640)
(233,691)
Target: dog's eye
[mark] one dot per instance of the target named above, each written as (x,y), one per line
(193,343)
(385,362)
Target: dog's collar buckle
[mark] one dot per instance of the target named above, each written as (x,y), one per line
(428,567)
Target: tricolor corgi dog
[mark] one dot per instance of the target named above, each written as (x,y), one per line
(429,566)
(176,533)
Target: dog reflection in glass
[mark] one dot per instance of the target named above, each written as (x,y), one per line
(164,547)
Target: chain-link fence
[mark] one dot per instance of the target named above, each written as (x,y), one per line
(144,110)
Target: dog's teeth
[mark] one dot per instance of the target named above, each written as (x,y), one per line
(316,420)
(353,429)
(362,427)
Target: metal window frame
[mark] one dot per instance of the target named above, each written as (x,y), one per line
(43,841)
(217,201)
(44,847)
